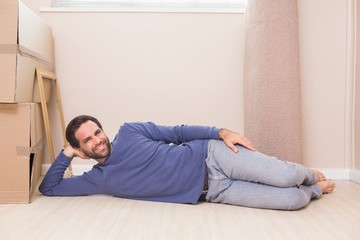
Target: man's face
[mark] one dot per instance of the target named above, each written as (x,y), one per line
(93,141)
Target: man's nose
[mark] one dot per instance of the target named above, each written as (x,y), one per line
(97,140)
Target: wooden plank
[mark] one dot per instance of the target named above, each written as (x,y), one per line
(40,75)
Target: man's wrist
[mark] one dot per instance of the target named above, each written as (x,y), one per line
(221,133)
(69,152)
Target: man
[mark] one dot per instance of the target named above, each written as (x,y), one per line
(174,164)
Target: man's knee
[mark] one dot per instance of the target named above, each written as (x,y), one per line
(293,177)
(296,200)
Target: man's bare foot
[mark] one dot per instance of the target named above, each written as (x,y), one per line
(326,186)
(320,176)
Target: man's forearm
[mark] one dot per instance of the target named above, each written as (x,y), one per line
(55,174)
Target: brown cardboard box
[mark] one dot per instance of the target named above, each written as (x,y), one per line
(25,43)
(21,152)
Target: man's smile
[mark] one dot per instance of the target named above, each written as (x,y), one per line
(101,147)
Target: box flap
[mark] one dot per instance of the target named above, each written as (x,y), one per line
(25,77)
(36,125)
(35,36)
(37,143)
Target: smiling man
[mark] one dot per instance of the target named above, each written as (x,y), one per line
(93,141)
(177,164)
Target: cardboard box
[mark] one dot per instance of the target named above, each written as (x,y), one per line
(25,43)
(22,141)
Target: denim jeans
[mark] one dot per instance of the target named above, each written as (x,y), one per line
(252,179)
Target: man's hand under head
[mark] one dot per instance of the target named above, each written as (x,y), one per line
(231,138)
(71,152)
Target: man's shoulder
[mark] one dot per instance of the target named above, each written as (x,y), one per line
(137,124)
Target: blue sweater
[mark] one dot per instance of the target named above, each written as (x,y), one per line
(147,162)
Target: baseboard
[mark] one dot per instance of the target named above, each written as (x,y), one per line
(330,173)
(355,176)
(77,169)
(336,173)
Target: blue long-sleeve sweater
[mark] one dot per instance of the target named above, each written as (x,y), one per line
(147,162)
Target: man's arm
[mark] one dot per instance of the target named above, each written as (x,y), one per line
(231,138)
(169,134)
(183,133)
(54,183)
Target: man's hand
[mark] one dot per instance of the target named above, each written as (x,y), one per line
(231,138)
(71,152)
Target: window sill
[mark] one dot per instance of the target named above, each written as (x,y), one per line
(140,10)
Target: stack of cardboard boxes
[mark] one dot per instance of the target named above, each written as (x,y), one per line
(25,43)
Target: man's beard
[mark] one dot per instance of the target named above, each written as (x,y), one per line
(96,156)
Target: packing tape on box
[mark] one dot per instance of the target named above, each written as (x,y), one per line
(26,151)
(38,146)
(25,52)
(23,151)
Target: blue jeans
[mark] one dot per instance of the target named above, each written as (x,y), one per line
(252,179)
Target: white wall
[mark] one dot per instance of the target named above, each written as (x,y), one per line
(187,68)
(161,67)
(323,56)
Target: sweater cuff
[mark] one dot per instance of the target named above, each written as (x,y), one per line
(215,133)
(63,158)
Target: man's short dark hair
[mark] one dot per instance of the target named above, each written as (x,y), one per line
(74,125)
